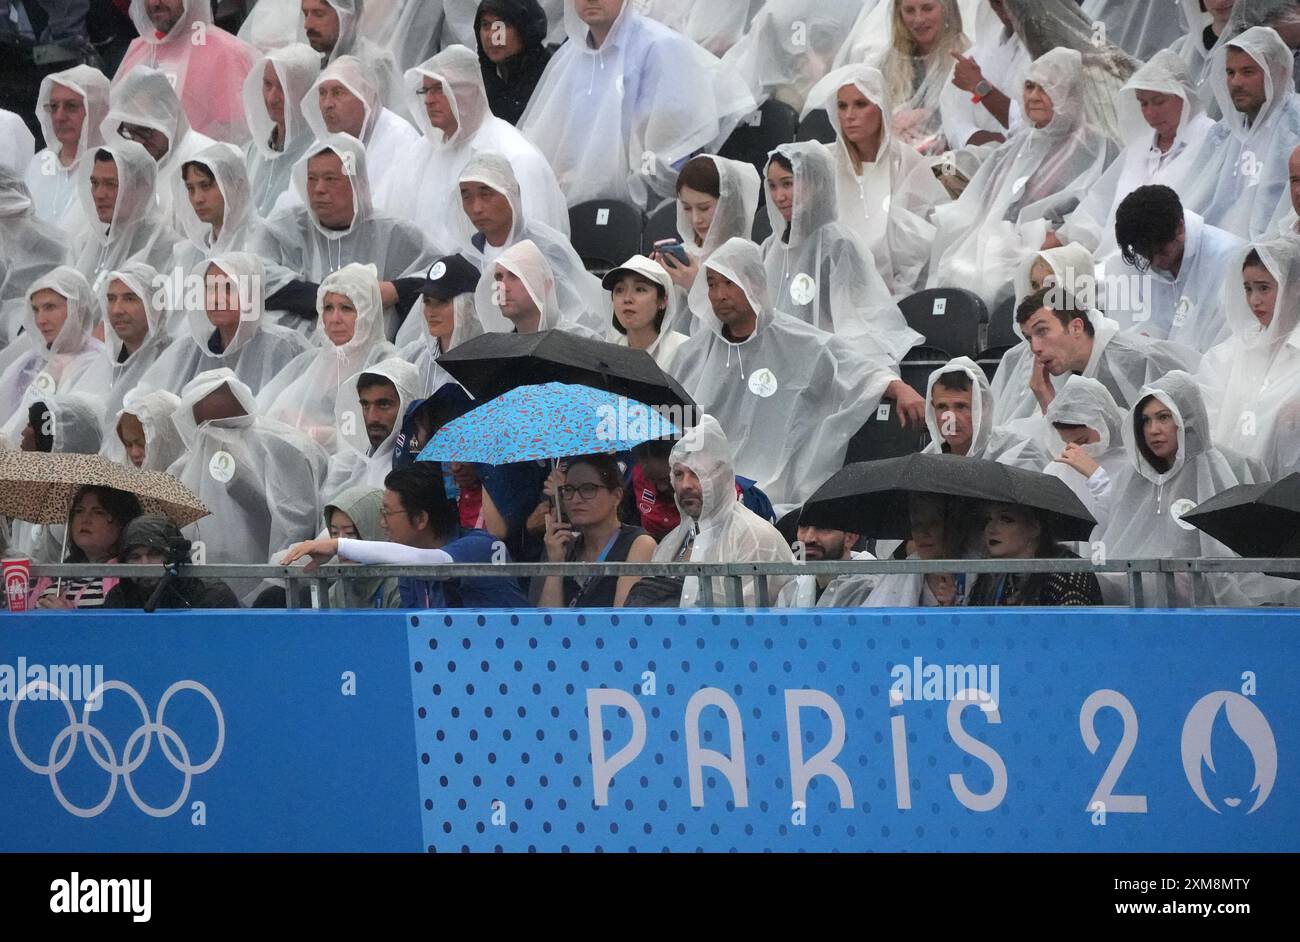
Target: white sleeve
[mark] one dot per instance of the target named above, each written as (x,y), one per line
(377,551)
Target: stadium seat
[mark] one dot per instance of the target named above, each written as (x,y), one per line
(816,127)
(919,363)
(756,136)
(762,225)
(605,233)
(1001,326)
(990,359)
(948,318)
(882,437)
(660,224)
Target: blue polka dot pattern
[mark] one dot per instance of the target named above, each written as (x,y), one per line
(502,731)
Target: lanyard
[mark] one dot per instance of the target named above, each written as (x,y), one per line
(584,583)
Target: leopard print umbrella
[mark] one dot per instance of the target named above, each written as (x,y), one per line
(40,487)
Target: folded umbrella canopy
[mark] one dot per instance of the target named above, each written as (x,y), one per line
(871,497)
(550,421)
(40,488)
(1254,520)
(495,363)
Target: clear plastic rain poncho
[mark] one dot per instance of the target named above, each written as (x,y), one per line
(257,352)
(987,442)
(138,231)
(425,350)
(528,263)
(818,270)
(1140,163)
(1002,57)
(240,222)
(1122,361)
(1187,309)
(1147,509)
(205,64)
(145,97)
(727,531)
(54,186)
(153,409)
(408,29)
(917,87)
(387,137)
(790,395)
(581,298)
(425,189)
(716,26)
(296,239)
(259,478)
(1025,188)
(353,40)
(74,362)
(739,188)
(617,121)
(1140,29)
(126,370)
(886,201)
(1191,49)
(270,171)
(1252,379)
(357,462)
(304,392)
(1084,401)
(1047,25)
(28,249)
(667,341)
(17,145)
(847,591)
(789,46)
(1241,175)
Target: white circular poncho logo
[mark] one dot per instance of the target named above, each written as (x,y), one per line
(762,383)
(1180,507)
(44,383)
(437,271)
(802,288)
(1018,187)
(222,467)
(1184,308)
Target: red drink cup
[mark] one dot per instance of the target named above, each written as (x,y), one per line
(18,580)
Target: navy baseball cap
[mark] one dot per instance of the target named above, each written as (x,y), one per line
(448,277)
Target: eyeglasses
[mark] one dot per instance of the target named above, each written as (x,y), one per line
(71,107)
(385,513)
(428,90)
(585,491)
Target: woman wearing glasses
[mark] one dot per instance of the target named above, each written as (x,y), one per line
(590,489)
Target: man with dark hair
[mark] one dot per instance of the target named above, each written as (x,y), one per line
(1061,340)
(1183,260)
(369,416)
(959,415)
(424,528)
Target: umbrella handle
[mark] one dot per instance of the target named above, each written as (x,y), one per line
(559,509)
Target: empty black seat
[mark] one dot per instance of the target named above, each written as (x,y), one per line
(816,127)
(882,437)
(1002,329)
(660,224)
(948,318)
(755,137)
(605,233)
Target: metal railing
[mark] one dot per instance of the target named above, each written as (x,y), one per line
(1165,574)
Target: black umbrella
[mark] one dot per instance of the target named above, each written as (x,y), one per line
(871,497)
(1254,520)
(494,363)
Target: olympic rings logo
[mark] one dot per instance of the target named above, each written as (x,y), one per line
(107,759)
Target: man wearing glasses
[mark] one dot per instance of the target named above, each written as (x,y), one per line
(424,528)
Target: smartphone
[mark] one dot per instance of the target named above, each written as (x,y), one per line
(674,248)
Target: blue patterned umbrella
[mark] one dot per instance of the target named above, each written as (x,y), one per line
(554,420)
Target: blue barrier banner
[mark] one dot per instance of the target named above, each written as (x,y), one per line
(848,731)
(972,730)
(225,731)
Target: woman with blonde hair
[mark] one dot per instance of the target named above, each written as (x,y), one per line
(918,65)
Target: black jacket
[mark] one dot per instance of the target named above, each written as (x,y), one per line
(508,94)
(182,593)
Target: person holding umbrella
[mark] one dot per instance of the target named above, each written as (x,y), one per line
(1016,532)
(590,491)
(95,525)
